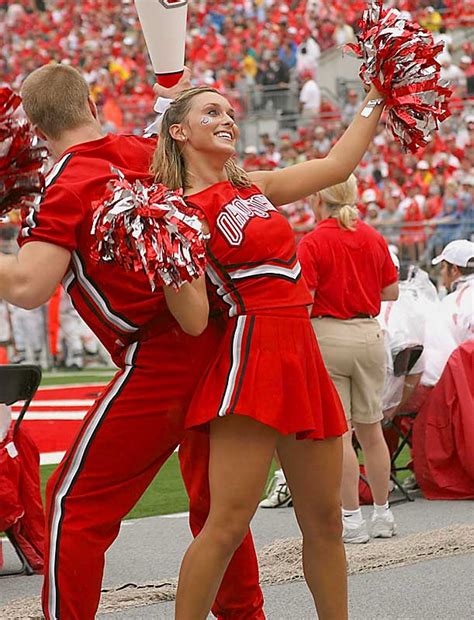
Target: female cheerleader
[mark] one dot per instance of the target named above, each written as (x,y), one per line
(267,387)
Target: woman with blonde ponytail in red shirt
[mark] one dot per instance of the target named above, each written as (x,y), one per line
(348,268)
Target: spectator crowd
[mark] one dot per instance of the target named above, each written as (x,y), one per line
(240,47)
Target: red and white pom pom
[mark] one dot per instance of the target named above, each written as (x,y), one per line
(399,58)
(21,160)
(149,228)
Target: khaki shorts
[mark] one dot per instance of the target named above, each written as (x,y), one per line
(354,354)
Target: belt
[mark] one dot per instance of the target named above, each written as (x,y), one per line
(349,318)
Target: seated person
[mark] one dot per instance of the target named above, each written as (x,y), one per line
(403,322)
(450,324)
(453,321)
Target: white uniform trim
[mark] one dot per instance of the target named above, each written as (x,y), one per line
(68,280)
(236,357)
(221,290)
(267,270)
(50,178)
(74,467)
(97,297)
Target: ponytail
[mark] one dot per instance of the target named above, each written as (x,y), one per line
(341,200)
(347,216)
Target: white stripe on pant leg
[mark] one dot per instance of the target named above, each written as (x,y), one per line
(236,355)
(73,469)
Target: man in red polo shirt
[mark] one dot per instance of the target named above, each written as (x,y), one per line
(347,265)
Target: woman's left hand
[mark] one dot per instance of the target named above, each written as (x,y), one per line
(374,93)
(172,92)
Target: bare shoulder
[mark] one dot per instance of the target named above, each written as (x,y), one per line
(260,178)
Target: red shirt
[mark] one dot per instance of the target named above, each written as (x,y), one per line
(113,302)
(251,253)
(346,269)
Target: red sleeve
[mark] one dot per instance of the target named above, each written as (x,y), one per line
(389,271)
(307,255)
(56,220)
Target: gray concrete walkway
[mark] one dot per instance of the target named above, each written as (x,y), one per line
(151,549)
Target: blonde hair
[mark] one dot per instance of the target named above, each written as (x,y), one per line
(341,200)
(169,166)
(55,99)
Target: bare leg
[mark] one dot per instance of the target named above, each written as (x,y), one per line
(313,470)
(350,478)
(240,458)
(376,459)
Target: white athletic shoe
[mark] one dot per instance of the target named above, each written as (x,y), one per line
(354,535)
(383,526)
(410,483)
(278,494)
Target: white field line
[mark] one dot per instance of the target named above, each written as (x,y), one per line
(80,402)
(51,415)
(51,458)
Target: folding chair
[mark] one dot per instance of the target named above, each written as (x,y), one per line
(405,439)
(403,362)
(405,359)
(18,382)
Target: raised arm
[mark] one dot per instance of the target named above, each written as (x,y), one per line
(165,96)
(29,279)
(189,306)
(301,180)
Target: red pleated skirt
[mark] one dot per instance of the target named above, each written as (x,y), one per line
(269,367)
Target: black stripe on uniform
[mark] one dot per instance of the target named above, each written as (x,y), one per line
(227,280)
(101,294)
(35,213)
(270,261)
(60,171)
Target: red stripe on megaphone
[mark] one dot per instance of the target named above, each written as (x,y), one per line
(169,79)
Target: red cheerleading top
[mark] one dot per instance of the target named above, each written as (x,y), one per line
(113,302)
(346,269)
(252,262)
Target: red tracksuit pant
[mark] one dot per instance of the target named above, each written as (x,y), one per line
(125,439)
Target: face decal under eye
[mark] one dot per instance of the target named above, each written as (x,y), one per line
(205,120)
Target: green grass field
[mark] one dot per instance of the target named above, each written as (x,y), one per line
(165,495)
(76,378)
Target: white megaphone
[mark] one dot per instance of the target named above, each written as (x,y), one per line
(164,27)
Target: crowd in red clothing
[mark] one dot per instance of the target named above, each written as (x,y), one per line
(241,44)
(231,44)
(419,203)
